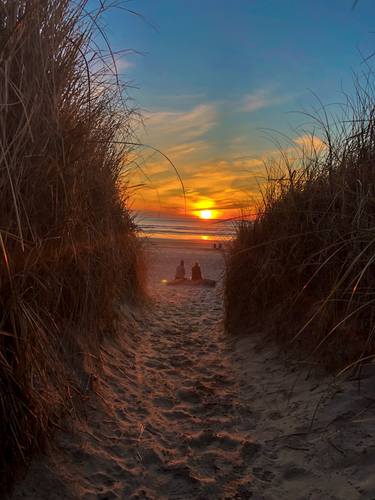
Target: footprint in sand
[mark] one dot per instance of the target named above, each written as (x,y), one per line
(294,473)
(250,450)
(275,415)
(263,474)
(207,438)
(178,415)
(163,402)
(188,395)
(179,361)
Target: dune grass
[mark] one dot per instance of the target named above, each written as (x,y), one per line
(68,246)
(305,267)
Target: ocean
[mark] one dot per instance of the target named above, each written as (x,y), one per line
(185,228)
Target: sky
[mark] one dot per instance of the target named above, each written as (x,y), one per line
(219,82)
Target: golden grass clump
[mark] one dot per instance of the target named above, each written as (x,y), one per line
(305,267)
(68,245)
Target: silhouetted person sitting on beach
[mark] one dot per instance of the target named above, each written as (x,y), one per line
(196,274)
(180,271)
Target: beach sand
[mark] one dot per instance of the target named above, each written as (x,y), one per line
(180,411)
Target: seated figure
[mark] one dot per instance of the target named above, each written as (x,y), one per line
(180,271)
(196,273)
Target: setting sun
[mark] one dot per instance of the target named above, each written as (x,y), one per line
(205,214)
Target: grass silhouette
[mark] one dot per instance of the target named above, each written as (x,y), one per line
(304,268)
(68,245)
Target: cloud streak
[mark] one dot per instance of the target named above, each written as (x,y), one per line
(123,65)
(182,125)
(260,99)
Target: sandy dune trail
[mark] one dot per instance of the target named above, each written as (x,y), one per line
(183,412)
(167,421)
(192,426)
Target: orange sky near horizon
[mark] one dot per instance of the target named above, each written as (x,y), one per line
(229,187)
(225,182)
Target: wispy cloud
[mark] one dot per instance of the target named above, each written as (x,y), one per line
(261,98)
(310,142)
(182,126)
(123,64)
(186,98)
(187,149)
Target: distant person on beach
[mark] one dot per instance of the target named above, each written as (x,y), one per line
(180,271)
(196,273)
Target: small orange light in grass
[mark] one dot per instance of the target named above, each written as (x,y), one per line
(205,238)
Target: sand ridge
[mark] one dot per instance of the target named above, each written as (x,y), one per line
(183,412)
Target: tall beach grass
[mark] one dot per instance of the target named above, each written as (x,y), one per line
(304,269)
(68,246)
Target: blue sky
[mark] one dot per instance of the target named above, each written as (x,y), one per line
(211,75)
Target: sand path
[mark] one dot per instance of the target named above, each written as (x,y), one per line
(182,412)
(169,422)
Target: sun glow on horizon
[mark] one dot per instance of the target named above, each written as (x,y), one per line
(205,214)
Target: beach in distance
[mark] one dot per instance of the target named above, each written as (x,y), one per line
(181,410)
(185,229)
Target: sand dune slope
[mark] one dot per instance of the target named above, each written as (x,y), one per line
(182,412)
